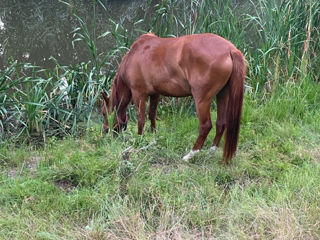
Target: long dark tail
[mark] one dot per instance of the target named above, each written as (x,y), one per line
(234,109)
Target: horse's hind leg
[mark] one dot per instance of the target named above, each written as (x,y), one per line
(140,102)
(205,125)
(154,99)
(222,103)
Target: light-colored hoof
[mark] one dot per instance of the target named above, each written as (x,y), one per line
(190,155)
(212,149)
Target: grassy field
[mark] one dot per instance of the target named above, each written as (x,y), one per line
(61,177)
(92,188)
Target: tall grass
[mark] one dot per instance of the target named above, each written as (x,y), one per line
(279,38)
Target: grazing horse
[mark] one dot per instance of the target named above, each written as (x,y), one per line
(201,65)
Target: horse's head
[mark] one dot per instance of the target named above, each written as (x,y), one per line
(110,112)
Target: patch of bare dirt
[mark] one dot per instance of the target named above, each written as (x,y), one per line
(65,185)
(30,166)
(315,154)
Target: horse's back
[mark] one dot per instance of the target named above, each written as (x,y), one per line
(174,66)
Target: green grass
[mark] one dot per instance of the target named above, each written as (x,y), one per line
(88,188)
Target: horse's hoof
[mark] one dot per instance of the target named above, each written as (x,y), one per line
(212,149)
(190,155)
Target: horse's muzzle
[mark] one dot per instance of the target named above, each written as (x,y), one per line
(123,126)
(119,127)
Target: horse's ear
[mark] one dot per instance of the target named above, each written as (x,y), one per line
(106,98)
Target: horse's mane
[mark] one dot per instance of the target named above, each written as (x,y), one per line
(114,91)
(118,79)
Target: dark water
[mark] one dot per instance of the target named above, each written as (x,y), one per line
(33,30)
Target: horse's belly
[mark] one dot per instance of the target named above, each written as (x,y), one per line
(173,88)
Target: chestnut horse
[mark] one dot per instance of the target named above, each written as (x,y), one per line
(201,65)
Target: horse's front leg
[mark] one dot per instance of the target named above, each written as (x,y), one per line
(140,102)
(154,99)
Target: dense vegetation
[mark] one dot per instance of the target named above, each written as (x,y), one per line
(93,185)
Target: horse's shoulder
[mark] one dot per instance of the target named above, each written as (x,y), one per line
(140,43)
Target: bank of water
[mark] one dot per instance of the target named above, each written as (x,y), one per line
(33,31)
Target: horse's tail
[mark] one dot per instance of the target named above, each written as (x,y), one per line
(236,89)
